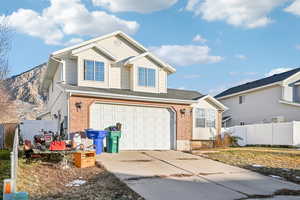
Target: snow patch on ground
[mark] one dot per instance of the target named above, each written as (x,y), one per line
(76,183)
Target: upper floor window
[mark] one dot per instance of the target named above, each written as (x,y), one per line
(146,77)
(242,99)
(93,70)
(205,118)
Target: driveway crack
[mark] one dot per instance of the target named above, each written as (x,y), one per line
(198,175)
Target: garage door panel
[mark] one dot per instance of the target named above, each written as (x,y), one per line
(145,128)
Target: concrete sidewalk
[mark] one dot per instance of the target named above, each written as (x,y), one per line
(175,175)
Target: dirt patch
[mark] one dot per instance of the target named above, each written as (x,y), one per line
(206,174)
(143,177)
(158,176)
(47,181)
(282,192)
(181,175)
(273,162)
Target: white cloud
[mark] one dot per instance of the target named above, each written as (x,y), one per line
(199,38)
(277,71)
(185,55)
(31,23)
(241,13)
(241,56)
(67,17)
(294,8)
(140,6)
(191,76)
(73,41)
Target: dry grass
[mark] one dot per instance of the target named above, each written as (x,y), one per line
(4,168)
(281,162)
(45,181)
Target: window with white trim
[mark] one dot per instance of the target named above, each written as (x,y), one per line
(93,70)
(146,77)
(205,118)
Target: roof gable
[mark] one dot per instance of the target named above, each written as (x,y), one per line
(258,83)
(88,42)
(151,57)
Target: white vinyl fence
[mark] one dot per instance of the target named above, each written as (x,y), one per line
(287,133)
(14,160)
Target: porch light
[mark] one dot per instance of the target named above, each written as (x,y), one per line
(78,105)
(182,110)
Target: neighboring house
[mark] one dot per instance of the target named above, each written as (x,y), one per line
(113,78)
(271,99)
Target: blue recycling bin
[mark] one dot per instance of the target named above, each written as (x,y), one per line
(16,196)
(97,136)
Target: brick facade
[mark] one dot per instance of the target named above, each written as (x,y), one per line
(79,117)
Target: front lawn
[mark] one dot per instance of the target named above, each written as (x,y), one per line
(4,168)
(48,181)
(282,163)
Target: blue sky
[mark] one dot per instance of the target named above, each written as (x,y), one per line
(237,40)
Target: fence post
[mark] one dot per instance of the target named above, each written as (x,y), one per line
(12,171)
(293,133)
(272,134)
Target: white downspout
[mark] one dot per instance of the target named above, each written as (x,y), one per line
(68,114)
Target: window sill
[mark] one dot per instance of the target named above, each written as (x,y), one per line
(94,81)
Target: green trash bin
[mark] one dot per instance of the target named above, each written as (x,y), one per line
(112,141)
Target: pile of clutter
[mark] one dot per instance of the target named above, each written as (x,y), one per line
(47,141)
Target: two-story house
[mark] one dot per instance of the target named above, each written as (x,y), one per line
(271,99)
(113,78)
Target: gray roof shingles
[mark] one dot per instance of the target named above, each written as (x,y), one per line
(258,83)
(171,94)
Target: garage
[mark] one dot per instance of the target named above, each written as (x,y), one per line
(143,127)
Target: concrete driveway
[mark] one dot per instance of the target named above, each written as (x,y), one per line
(160,175)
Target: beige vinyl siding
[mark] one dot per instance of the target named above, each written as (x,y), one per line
(57,99)
(206,133)
(125,77)
(118,47)
(60,105)
(144,62)
(71,71)
(91,54)
(116,75)
(162,81)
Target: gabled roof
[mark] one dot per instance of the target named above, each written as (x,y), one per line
(258,83)
(131,59)
(214,101)
(56,56)
(117,33)
(96,47)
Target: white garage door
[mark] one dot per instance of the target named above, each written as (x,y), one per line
(143,128)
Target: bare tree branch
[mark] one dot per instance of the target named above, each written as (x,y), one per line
(5,41)
(7,106)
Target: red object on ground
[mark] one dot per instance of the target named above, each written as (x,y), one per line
(57,146)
